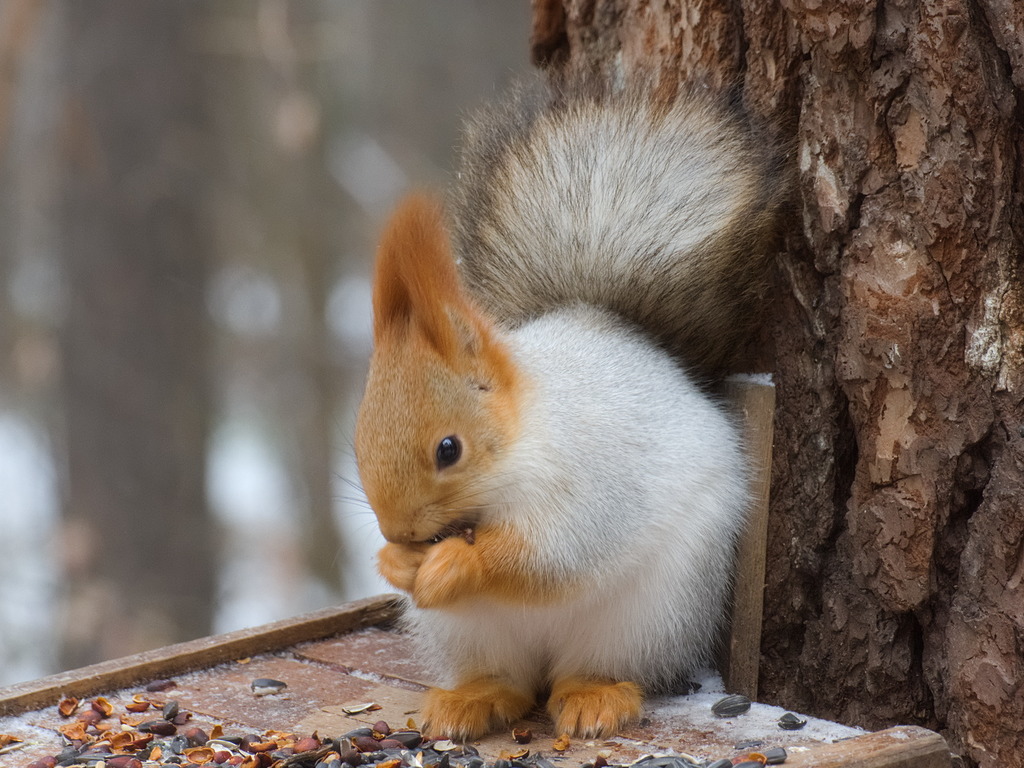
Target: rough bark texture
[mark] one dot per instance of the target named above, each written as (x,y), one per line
(896,547)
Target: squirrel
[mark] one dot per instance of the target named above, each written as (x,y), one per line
(559,491)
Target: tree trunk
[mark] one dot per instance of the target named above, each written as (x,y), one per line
(896,545)
(138,542)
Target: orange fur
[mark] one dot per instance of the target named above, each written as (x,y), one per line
(473,708)
(416,283)
(439,368)
(414,277)
(496,565)
(399,563)
(588,708)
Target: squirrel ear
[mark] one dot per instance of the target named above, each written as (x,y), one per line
(416,286)
(415,280)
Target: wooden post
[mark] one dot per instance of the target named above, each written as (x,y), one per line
(752,398)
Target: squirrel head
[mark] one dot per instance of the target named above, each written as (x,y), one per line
(441,401)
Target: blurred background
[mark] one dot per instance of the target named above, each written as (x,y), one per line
(190,193)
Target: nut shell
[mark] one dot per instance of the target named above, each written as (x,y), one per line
(791,722)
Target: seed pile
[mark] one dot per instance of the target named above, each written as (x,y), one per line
(151,733)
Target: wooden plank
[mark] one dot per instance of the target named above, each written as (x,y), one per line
(225,693)
(754,403)
(905,746)
(397,706)
(320,684)
(196,654)
(899,747)
(387,654)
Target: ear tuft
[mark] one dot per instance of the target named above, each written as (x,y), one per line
(415,280)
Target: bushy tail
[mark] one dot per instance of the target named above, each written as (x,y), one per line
(661,209)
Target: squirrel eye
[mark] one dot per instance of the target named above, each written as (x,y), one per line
(448,451)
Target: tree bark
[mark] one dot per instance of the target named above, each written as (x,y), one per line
(138,543)
(895,587)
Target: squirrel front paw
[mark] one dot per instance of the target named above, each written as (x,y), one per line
(450,571)
(399,564)
(473,708)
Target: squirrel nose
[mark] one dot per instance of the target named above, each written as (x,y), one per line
(397,531)
(396,535)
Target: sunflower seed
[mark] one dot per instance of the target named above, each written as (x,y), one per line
(357,708)
(791,722)
(775,755)
(731,706)
(265,686)
(409,739)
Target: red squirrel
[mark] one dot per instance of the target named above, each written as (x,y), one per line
(559,493)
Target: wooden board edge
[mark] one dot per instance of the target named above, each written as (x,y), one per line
(198,654)
(905,746)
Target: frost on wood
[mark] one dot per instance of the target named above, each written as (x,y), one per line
(896,577)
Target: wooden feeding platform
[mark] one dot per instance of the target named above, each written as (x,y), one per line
(335,661)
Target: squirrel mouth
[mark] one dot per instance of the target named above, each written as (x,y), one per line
(464,528)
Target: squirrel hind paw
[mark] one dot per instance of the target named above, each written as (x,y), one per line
(473,709)
(593,709)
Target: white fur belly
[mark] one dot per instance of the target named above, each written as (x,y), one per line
(650,628)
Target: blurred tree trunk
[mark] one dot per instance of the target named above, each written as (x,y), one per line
(270,100)
(304,204)
(322,541)
(138,541)
(18,23)
(896,563)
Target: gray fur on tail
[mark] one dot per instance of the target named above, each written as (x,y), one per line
(660,209)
